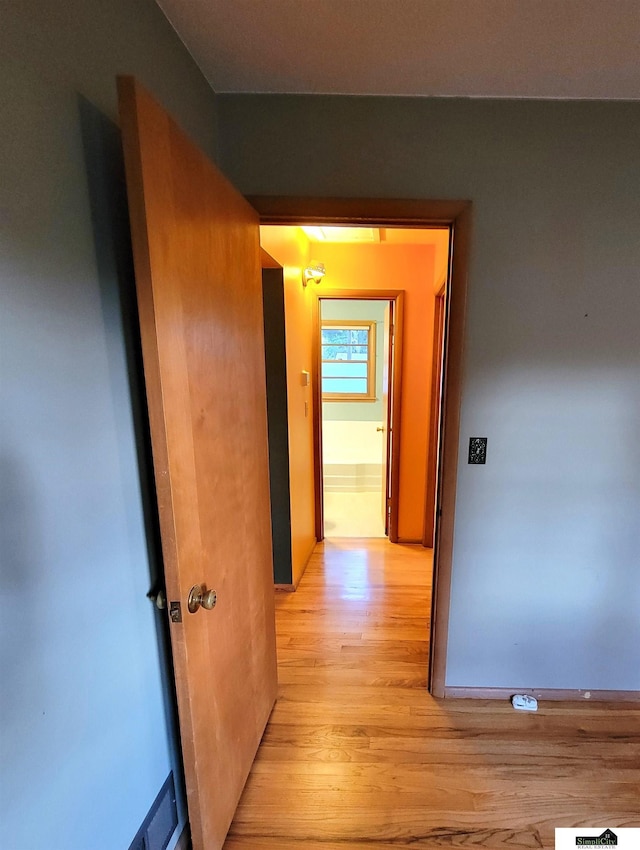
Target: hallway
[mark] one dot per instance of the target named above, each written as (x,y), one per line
(358,756)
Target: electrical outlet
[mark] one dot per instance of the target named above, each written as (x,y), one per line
(477,450)
(523,702)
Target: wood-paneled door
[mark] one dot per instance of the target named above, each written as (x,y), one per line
(197,261)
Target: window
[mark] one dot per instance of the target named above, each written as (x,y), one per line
(348,355)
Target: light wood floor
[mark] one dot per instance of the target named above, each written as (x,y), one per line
(352,514)
(358,756)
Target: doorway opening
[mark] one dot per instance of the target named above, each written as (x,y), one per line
(346,338)
(358,342)
(287,215)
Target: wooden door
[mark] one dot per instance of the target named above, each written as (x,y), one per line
(196,251)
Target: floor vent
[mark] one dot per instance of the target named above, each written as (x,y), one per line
(161,822)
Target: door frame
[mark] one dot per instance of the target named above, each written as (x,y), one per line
(397,297)
(398,212)
(439,325)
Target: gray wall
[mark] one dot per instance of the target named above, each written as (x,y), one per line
(357,411)
(84,716)
(546,580)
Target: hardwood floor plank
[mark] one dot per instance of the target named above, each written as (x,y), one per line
(358,756)
(404,823)
(496,839)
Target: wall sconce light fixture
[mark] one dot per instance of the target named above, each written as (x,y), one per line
(314,272)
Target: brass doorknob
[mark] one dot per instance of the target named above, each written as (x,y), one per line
(200,596)
(379,429)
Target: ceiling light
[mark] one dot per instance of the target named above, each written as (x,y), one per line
(315,233)
(342,234)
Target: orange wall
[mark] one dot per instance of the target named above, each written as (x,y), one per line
(290,247)
(412,269)
(438,237)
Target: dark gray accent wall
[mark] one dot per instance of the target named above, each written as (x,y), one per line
(278,419)
(546,572)
(85,706)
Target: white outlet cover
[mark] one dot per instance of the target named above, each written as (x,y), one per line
(523,702)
